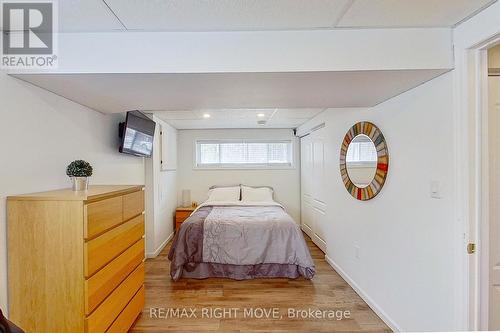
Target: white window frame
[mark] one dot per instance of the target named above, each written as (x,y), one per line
(242,166)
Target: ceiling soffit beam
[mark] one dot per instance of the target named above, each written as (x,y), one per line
(271,51)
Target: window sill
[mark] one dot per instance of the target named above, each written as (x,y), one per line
(261,167)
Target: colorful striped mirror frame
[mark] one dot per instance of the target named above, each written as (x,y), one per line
(374,133)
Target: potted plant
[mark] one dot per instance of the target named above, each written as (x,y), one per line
(79,171)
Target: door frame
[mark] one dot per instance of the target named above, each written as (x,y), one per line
(471,175)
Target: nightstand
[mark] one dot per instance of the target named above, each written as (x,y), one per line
(181,214)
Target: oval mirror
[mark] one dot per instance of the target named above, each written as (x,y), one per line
(364,160)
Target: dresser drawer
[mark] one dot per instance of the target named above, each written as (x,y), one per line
(102,318)
(102,283)
(101,250)
(129,314)
(133,205)
(102,215)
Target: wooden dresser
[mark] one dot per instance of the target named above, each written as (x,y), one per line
(76,259)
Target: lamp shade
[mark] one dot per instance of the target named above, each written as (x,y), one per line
(186,198)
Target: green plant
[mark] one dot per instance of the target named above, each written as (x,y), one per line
(79,168)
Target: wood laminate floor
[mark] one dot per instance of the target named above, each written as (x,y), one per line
(274,297)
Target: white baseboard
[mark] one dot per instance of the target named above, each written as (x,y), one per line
(368,300)
(307,230)
(161,247)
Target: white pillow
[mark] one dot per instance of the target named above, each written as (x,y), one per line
(262,194)
(224,194)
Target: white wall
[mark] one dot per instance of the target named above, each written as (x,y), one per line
(161,193)
(40,134)
(406,257)
(286,182)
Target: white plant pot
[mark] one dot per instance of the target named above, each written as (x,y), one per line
(80,183)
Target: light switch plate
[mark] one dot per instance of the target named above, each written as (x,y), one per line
(435,189)
(356,251)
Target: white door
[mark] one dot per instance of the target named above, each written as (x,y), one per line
(313,189)
(319,218)
(307,217)
(494,223)
(319,169)
(306,172)
(306,165)
(319,188)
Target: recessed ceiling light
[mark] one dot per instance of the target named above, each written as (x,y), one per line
(206,115)
(260,115)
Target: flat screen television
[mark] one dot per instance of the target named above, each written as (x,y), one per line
(137,134)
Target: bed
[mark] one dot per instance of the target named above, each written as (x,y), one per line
(240,237)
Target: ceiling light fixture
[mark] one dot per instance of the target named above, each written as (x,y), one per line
(206,115)
(260,115)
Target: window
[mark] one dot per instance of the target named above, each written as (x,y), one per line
(243,154)
(361,151)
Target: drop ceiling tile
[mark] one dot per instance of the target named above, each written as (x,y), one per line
(296,113)
(409,13)
(251,114)
(183,124)
(247,114)
(228,15)
(287,123)
(214,114)
(237,118)
(210,123)
(176,115)
(86,15)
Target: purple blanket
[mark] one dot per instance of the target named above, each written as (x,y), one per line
(240,242)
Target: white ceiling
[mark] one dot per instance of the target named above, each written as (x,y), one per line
(196,15)
(230,15)
(293,91)
(233,100)
(413,13)
(238,118)
(86,15)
